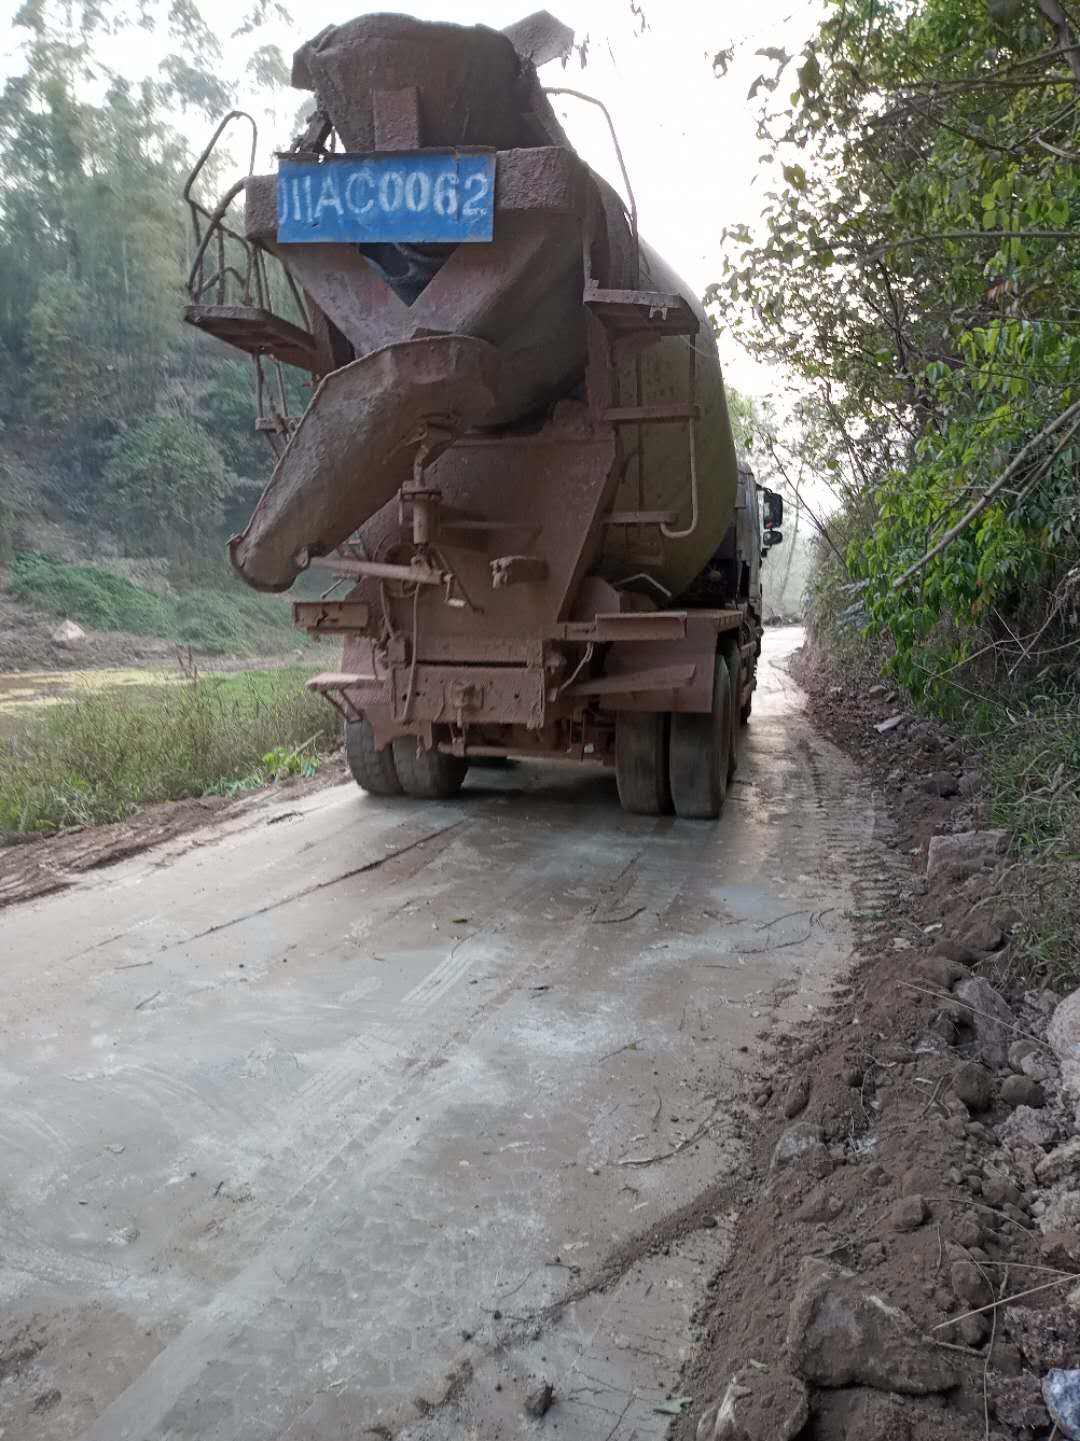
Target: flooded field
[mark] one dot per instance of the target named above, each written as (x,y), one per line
(23,693)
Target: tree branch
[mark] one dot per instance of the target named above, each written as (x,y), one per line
(908,241)
(1059,22)
(988,495)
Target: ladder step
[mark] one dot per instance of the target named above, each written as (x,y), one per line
(256,331)
(648,312)
(651,414)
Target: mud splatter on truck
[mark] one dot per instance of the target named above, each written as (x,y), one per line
(517,461)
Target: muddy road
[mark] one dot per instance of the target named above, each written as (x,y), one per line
(333,1116)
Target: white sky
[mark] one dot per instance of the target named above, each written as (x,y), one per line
(688,137)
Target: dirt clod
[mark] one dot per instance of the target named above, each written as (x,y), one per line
(540,1401)
(842,1333)
(760,1404)
(797,1096)
(974,1086)
(1022,1091)
(907,1214)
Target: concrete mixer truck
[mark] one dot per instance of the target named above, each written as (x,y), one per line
(516,464)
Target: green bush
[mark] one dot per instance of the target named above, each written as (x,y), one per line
(89,595)
(100,758)
(230,619)
(165,485)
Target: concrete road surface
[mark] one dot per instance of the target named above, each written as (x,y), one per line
(348,1117)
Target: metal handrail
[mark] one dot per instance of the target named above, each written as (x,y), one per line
(592,100)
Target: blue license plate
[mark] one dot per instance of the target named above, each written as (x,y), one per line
(412,196)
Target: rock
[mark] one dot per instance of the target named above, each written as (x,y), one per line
(1018,1050)
(1022,1091)
(907,1214)
(802,1143)
(940,783)
(1027,1129)
(796,1096)
(984,936)
(1018,1402)
(1062,1211)
(1061,1392)
(876,690)
(1037,1067)
(965,851)
(539,1402)
(885,726)
(760,1404)
(1047,1339)
(991,1019)
(973,1084)
(68,634)
(840,1333)
(1062,1163)
(1060,1249)
(1063,1034)
(969,783)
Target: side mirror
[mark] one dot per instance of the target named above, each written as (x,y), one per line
(773,511)
(772,537)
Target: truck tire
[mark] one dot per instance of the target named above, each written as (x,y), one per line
(744,714)
(373,771)
(729,653)
(700,753)
(641,762)
(427,775)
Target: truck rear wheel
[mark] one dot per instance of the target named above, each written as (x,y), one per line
(641,762)
(428,775)
(373,771)
(729,652)
(700,750)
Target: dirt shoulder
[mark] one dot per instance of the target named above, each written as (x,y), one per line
(42,865)
(918,1162)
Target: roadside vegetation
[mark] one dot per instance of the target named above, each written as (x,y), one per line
(218,617)
(916,272)
(100,758)
(119,424)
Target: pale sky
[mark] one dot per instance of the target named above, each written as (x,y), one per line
(688,137)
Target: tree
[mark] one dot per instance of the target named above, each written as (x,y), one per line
(95,246)
(914,270)
(165,487)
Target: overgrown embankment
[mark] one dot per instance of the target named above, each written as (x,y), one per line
(914,269)
(214,615)
(100,758)
(907,1260)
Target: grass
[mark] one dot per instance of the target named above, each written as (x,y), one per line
(1029,737)
(234,619)
(1033,760)
(99,759)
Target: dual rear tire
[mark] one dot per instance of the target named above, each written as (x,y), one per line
(680,761)
(403,768)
